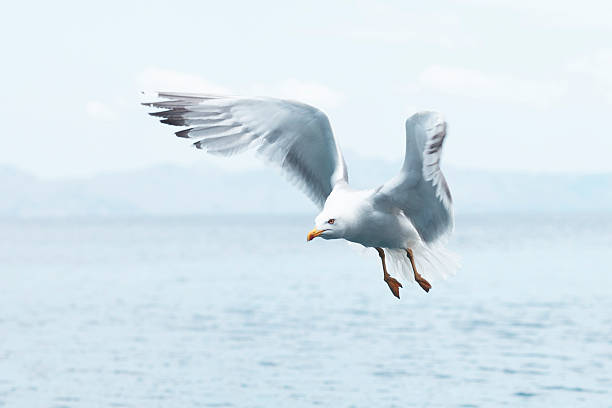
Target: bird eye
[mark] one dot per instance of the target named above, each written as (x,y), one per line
(331,220)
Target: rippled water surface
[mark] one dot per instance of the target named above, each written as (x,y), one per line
(242,312)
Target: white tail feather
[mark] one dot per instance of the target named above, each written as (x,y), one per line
(434,262)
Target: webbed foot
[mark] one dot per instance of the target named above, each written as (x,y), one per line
(394,285)
(422,282)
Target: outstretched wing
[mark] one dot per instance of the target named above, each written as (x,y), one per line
(420,189)
(295,136)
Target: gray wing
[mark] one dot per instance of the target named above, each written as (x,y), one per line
(295,136)
(420,189)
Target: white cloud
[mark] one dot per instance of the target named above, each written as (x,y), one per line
(100,111)
(309,92)
(155,79)
(390,24)
(598,67)
(404,36)
(484,86)
(585,14)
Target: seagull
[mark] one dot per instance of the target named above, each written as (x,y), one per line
(408,218)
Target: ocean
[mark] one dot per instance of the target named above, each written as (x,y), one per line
(240,311)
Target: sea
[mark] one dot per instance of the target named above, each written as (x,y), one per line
(240,311)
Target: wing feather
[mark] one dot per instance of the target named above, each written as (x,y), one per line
(296,137)
(420,189)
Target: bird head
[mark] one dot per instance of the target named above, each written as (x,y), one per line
(337,219)
(327,226)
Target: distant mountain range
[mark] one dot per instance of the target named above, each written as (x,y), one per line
(207,189)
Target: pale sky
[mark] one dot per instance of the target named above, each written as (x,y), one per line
(525,86)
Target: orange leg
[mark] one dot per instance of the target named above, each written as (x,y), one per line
(394,285)
(417,276)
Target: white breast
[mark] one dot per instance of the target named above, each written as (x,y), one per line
(368,225)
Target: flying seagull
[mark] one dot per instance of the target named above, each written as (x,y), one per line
(407,217)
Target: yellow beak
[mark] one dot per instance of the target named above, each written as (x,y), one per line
(313,234)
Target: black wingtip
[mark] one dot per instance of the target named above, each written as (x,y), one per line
(165,113)
(174,121)
(184,133)
(171,113)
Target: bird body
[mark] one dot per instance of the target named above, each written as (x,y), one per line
(405,219)
(362,220)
